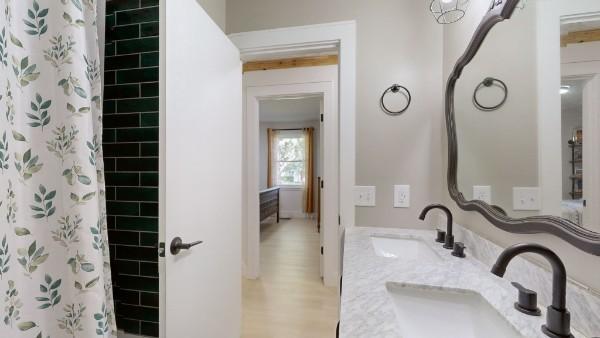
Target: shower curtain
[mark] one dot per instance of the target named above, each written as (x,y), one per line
(54,256)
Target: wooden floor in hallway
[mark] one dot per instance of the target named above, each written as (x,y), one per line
(289,300)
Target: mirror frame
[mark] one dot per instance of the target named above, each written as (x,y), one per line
(580,237)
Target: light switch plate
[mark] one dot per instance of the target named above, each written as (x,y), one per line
(364,196)
(402,196)
(527,198)
(482,193)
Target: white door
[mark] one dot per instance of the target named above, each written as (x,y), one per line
(591,151)
(321,200)
(201,174)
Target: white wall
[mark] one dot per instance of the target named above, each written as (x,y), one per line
(216,9)
(398,42)
(291,199)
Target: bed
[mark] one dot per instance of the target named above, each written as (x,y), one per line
(269,203)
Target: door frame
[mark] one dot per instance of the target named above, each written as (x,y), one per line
(305,38)
(292,82)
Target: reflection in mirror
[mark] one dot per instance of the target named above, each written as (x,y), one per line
(498,122)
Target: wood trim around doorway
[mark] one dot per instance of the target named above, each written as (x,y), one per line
(311,61)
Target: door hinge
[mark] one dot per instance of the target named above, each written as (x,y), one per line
(322,184)
(161,249)
(339,220)
(321,117)
(321,250)
(585,203)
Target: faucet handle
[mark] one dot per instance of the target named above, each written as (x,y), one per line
(441,236)
(527,303)
(459,250)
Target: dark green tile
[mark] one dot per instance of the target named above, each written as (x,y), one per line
(137,135)
(137,194)
(136,253)
(139,312)
(122,91)
(149,89)
(122,120)
(150,59)
(149,119)
(125,267)
(109,107)
(122,62)
(118,208)
(149,298)
(137,75)
(149,149)
(110,195)
(127,296)
(149,239)
(110,20)
(128,325)
(109,165)
(110,49)
(123,32)
(122,179)
(137,45)
(138,16)
(149,329)
(109,135)
(148,3)
(119,5)
(137,105)
(149,269)
(121,150)
(149,29)
(149,179)
(137,164)
(149,209)
(149,224)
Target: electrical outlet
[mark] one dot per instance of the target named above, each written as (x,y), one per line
(364,196)
(402,196)
(526,198)
(482,193)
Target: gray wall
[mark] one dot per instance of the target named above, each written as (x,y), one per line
(398,42)
(216,10)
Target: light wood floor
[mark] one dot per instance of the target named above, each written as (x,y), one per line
(289,300)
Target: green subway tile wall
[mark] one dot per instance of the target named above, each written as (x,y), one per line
(131,160)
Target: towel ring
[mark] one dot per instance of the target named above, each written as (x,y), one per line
(396,88)
(488,82)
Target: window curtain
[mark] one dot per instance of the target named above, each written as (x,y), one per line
(309,181)
(271,148)
(55,275)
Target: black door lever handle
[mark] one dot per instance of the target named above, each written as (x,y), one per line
(177,245)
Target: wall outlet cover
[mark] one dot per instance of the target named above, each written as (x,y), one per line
(364,196)
(402,196)
(483,193)
(527,198)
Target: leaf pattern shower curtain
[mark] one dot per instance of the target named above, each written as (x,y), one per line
(54,257)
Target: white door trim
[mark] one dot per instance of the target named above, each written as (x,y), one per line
(301,81)
(265,42)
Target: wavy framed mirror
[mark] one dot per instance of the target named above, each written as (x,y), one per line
(532,163)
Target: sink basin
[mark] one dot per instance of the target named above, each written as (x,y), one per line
(403,247)
(429,312)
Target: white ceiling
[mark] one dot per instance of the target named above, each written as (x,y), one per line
(290,109)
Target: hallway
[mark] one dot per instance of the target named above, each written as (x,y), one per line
(289,300)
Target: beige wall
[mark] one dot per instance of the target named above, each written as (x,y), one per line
(577,262)
(398,42)
(216,10)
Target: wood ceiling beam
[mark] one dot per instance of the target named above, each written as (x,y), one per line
(311,61)
(580,37)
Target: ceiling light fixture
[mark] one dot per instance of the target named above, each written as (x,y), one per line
(448,11)
(565,90)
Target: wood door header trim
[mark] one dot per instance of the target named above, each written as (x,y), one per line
(580,37)
(310,61)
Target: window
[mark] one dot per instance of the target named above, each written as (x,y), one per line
(289,158)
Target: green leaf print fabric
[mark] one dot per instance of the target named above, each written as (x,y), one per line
(54,255)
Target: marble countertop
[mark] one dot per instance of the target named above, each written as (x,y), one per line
(367,310)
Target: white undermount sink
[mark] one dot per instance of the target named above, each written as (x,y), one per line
(425,312)
(409,248)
